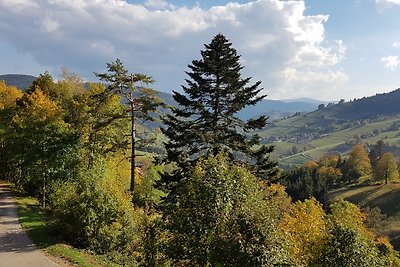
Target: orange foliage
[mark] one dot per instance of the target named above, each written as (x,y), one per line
(311,164)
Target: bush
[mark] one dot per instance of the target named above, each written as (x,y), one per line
(346,247)
(223,217)
(93,213)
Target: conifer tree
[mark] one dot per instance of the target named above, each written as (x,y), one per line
(141,100)
(206,123)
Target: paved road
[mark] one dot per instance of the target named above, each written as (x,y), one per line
(16,249)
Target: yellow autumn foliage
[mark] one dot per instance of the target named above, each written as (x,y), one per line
(305,226)
(8,95)
(41,107)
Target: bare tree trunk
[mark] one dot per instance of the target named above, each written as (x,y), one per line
(4,159)
(133,158)
(44,191)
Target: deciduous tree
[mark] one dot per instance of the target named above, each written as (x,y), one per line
(222,217)
(386,169)
(9,96)
(357,165)
(305,226)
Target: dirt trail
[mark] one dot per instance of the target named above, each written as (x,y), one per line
(16,249)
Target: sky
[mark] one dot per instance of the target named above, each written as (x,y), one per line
(323,49)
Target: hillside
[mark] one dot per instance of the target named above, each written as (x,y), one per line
(335,129)
(19,80)
(386,197)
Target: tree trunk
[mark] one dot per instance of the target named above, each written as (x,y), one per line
(133,158)
(4,160)
(44,191)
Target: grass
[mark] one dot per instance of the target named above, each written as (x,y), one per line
(39,227)
(386,197)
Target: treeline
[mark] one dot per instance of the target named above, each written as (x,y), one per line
(210,200)
(361,166)
(366,108)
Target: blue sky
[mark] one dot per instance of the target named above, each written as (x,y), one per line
(327,50)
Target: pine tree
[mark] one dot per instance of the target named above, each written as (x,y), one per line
(206,123)
(141,100)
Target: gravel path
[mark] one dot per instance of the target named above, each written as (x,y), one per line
(16,249)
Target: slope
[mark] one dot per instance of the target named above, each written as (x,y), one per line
(335,128)
(386,197)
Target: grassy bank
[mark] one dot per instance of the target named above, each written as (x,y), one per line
(386,197)
(41,230)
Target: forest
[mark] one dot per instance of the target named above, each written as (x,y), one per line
(125,175)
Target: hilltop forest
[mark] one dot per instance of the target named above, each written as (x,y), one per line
(200,189)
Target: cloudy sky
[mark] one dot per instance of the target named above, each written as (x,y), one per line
(327,50)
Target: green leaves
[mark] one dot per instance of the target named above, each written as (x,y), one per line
(386,169)
(223,216)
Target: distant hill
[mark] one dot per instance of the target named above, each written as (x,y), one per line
(307,100)
(274,109)
(334,116)
(269,107)
(386,104)
(19,80)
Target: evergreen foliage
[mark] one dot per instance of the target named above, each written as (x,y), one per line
(205,122)
(141,100)
(305,182)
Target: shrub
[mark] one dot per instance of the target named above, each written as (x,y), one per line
(223,217)
(92,212)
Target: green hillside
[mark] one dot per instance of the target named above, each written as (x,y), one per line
(386,197)
(335,129)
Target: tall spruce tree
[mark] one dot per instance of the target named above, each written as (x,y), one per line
(206,123)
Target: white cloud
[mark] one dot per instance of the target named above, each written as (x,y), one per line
(396,44)
(50,25)
(18,5)
(159,4)
(274,38)
(312,83)
(390,62)
(384,4)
